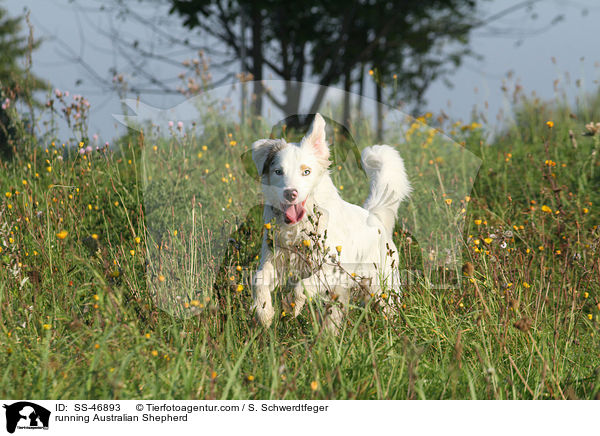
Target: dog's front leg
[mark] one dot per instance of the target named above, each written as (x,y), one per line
(308,287)
(263,283)
(340,297)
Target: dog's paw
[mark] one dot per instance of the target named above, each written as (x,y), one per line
(298,304)
(265,315)
(389,307)
(333,320)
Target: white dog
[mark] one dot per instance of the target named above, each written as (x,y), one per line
(353,244)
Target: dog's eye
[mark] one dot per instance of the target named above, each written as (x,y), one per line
(306,172)
(279,172)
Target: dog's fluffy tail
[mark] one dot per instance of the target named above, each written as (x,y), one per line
(389,184)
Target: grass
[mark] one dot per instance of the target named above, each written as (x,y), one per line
(96,245)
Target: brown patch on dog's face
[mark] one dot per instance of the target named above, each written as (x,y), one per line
(272,154)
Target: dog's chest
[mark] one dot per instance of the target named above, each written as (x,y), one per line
(292,253)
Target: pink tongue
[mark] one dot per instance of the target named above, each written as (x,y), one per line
(294,213)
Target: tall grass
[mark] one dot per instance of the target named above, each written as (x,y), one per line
(88,244)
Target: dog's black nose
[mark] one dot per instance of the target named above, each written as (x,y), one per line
(290,194)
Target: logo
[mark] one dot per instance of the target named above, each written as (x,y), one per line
(26,415)
(441,172)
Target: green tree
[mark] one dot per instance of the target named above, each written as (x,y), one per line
(333,42)
(16,80)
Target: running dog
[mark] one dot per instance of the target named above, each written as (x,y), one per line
(304,214)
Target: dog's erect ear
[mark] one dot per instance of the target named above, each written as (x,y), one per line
(263,150)
(315,138)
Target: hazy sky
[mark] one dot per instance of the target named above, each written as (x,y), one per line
(84,30)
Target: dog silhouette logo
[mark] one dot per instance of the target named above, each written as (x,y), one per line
(26,415)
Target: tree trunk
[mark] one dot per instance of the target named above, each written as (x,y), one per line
(293,90)
(314,107)
(379,111)
(361,90)
(347,88)
(257,60)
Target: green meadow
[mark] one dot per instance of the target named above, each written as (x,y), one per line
(124,269)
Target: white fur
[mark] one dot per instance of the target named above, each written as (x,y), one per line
(368,258)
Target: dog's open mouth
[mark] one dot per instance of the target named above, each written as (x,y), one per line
(293,212)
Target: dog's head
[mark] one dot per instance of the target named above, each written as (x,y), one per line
(290,172)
